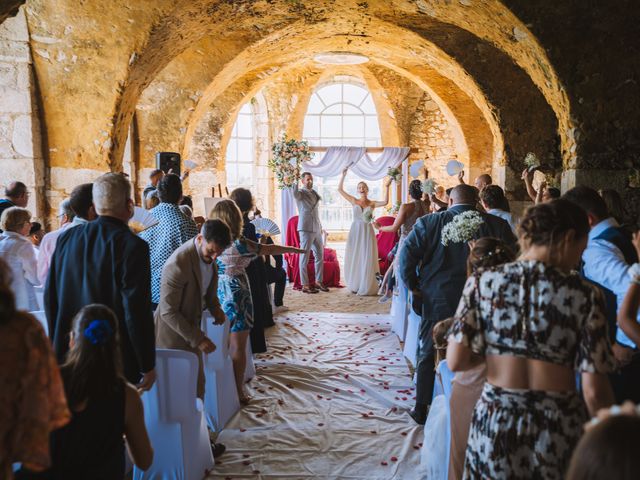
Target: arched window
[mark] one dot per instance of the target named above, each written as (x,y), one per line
(341,114)
(240,158)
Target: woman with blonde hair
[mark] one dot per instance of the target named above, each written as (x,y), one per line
(16,249)
(233,285)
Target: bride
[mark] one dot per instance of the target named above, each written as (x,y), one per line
(361,256)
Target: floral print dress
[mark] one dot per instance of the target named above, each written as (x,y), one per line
(233,285)
(531,310)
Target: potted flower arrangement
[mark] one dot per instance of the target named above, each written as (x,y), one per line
(367,215)
(531,161)
(394,173)
(288,155)
(429,186)
(463,228)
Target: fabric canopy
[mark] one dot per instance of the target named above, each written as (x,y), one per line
(336,159)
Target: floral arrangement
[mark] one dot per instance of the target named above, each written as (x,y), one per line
(367,215)
(394,173)
(429,186)
(394,209)
(634,178)
(531,161)
(462,228)
(288,155)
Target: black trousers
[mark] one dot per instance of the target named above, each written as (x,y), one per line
(279,277)
(425,363)
(626,383)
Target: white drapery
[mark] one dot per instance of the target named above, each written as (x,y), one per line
(336,159)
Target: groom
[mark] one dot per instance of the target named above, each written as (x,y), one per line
(310,231)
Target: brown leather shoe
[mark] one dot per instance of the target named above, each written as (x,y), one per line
(321,287)
(309,290)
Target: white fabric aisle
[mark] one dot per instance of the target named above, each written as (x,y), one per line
(329,401)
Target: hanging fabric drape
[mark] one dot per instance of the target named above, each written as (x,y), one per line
(336,159)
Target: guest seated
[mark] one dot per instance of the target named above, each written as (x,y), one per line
(106,409)
(152,200)
(609,449)
(17,251)
(154,177)
(36,233)
(32,400)
(16,195)
(277,275)
(534,341)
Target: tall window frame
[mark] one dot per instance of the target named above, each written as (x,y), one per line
(341,113)
(240,155)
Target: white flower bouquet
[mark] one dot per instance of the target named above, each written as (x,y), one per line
(367,215)
(429,186)
(463,228)
(531,161)
(288,155)
(394,209)
(394,173)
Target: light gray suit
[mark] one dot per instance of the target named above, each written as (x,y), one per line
(310,231)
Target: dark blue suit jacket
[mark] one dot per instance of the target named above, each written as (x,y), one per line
(440,272)
(103,262)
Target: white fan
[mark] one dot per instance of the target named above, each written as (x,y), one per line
(190,164)
(141,220)
(266,225)
(415,167)
(454,167)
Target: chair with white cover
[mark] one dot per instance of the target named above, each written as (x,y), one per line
(42,318)
(411,337)
(39,291)
(400,311)
(221,396)
(175,421)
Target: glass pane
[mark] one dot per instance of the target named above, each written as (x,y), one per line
(330,142)
(232,174)
(234,132)
(333,109)
(353,142)
(315,105)
(368,106)
(331,94)
(372,128)
(244,126)
(245,150)
(246,109)
(311,126)
(245,178)
(350,109)
(353,126)
(370,142)
(354,94)
(331,126)
(231,151)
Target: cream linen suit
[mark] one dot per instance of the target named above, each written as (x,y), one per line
(310,231)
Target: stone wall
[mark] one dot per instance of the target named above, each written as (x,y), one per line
(20,137)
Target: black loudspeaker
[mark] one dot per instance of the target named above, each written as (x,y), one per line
(166,161)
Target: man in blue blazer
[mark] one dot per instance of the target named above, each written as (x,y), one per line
(104,262)
(436,275)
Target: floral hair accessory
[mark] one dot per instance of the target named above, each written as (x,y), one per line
(98,332)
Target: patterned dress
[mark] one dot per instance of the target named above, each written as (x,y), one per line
(233,285)
(531,310)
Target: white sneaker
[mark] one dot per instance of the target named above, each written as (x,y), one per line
(280,309)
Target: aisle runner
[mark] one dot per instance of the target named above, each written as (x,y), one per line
(329,401)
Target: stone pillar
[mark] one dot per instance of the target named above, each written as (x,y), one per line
(595,178)
(20,137)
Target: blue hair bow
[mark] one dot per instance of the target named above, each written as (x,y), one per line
(98,332)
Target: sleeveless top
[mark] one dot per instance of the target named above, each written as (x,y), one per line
(531,310)
(91,445)
(407,225)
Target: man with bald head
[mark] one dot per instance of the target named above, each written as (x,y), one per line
(480,182)
(16,195)
(436,274)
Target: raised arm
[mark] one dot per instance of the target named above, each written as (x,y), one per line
(382,203)
(402,215)
(341,191)
(262,249)
(628,314)
(526,176)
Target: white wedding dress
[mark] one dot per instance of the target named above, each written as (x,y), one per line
(361,256)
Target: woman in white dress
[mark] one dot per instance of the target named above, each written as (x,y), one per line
(361,256)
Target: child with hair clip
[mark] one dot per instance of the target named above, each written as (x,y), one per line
(106,410)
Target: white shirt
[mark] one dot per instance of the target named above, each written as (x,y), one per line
(17,251)
(604,263)
(504,215)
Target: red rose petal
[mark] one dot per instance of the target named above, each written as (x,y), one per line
(394,459)
(383,463)
(256,472)
(246,455)
(246,462)
(243,429)
(374,432)
(321,424)
(404,434)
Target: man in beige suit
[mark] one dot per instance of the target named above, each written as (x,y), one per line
(188,286)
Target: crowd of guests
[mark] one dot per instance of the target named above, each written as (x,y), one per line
(112,297)
(542,329)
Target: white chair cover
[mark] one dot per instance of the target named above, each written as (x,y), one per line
(39,292)
(220,397)
(42,318)
(411,337)
(175,421)
(400,311)
(434,455)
